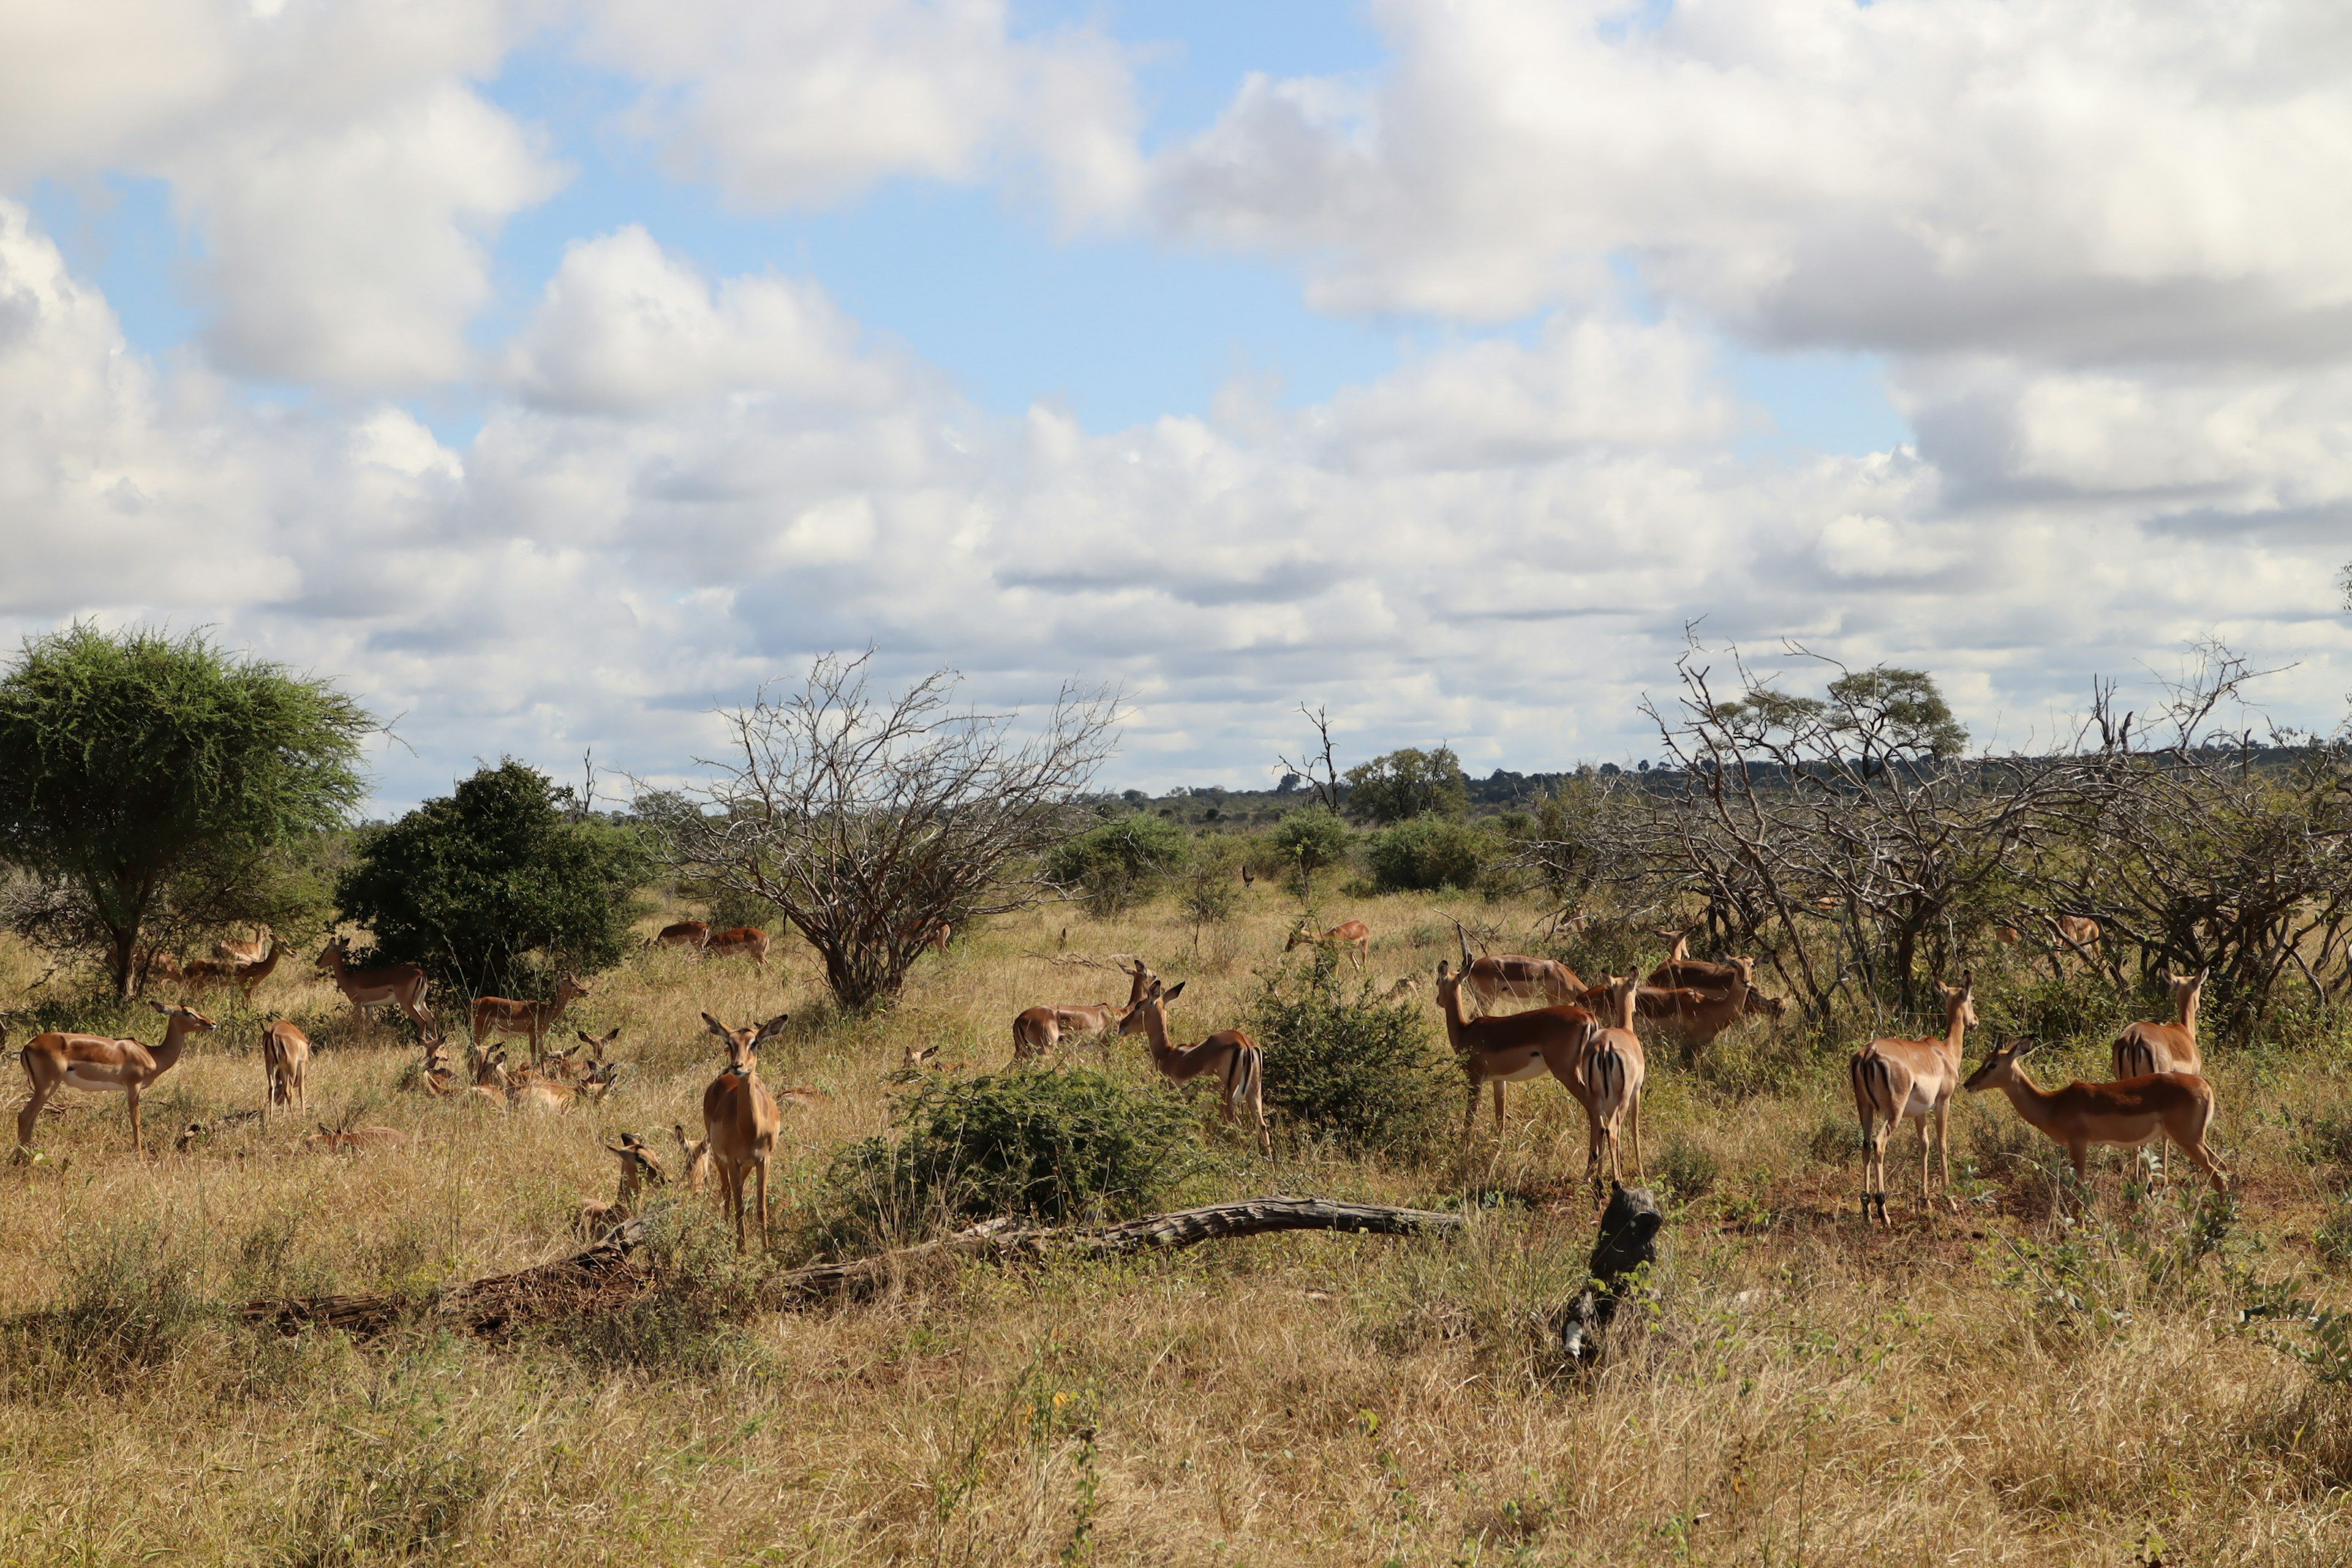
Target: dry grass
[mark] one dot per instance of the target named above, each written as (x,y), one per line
(1994,1388)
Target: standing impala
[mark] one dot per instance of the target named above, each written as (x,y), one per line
(1898,1081)
(496,1015)
(1228,1053)
(285,1060)
(1613,1073)
(739,1119)
(2144,1049)
(1353,935)
(102,1066)
(1513,1047)
(2175,1105)
(402,984)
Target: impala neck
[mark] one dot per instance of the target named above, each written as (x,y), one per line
(2032,1101)
(2187,1006)
(1955,1033)
(1449,1006)
(1155,1032)
(175,1040)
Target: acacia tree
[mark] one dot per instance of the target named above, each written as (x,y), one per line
(133,761)
(1407,784)
(868,821)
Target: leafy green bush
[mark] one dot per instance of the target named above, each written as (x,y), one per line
(1690,1169)
(495,887)
(1407,784)
(1053,1147)
(1428,853)
(1209,891)
(1121,862)
(1346,1066)
(1307,840)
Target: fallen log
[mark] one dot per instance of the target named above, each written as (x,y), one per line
(609,1275)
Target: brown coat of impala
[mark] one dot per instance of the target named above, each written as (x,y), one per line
(1516,977)
(688,934)
(1680,970)
(2130,1113)
(1228,1053)
(496,1015)
(1900,1079)
(1512,1047)
(751,942)
(240,954)
(285,1061)
(102,1066)
(2144,1049)
(402,984)
(1353,935)
(1612,1075)
(1039,1030)
(739,1119)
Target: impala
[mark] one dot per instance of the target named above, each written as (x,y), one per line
(1696,1016)
(1515,977)
(2174,1105)
(247,976)
(694,1155)
(1895,1080)
(749,941)
(102,1066)
(1512,1047)
(689,934)
(932,933)
(285,1060)
(1039,1030)
(402,984)
(637,1167)
(1680,970)
(1228,1053)
(739,1119)
(238,953)
(496,1015)
(1612,1074)
(2080,934)
(2144,1049)
(1351,934)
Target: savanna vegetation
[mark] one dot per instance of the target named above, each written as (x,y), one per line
(2023,1376)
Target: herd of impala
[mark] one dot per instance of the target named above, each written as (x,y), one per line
(1584,1036)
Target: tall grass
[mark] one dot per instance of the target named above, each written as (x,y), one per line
(2005,1386)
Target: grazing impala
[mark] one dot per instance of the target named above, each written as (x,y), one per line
(688,934)
(285,1060)
(496,1015)
(402,984)
(1512,1047)
(739,1119)
(102,1066)
(749,941)
(1612,1076)
(1353,935)
(1896,1080)
(1228,1053)
(1039,1030)
(2175,1105)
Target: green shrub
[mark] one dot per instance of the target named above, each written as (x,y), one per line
(1345,1066)
(1209,891)
(1053,1147)
(1689,1169)
(1428,853)
(493,887)
(1119,863)
(1307,840)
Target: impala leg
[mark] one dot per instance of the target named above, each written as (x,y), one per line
(30,1116)
(1634,1112)
(1944,1150)
(2210,1167)
(1498,1107)
(764,1203)
(136,1147)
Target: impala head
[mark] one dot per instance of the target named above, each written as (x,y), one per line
(569,989)
(596,1047)
(1680,937)
(492,1067)
(2001,1065)
(195,1021)
(330,957)
(1448,983)
(1298,937)
(1155,999)
(743,1045)
(1960,1001)
(2186,989)
(1771,1007)
(1623,990)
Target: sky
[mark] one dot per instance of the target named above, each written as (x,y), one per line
(553,372)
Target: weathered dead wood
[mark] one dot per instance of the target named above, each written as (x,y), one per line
(609,1273)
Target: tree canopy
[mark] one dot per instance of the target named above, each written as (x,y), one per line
(497,886)
(130,759)
(1407,784)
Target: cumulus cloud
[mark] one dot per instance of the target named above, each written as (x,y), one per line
(788,105)
(2070,180)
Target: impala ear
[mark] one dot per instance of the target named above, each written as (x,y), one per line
(1179,991)
(1967,980)
(718,1028)
(1443,969)
(772,1026)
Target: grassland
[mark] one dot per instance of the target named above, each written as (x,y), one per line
(1994,1387)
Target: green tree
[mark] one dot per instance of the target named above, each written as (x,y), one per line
(1407,784)
(134,763)
(497,885)
(1208,890)
(1121,862)
(1309,839)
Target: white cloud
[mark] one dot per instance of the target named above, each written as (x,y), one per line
(2033,175)
(789,105)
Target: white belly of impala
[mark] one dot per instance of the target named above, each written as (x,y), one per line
(98,1078)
